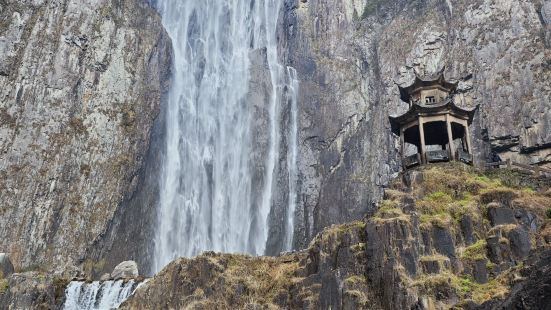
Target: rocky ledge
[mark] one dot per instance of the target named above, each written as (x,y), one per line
(445,236)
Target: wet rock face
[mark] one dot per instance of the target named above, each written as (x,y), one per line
(351,54)
(80,86)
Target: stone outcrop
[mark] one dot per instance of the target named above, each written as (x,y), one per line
(350,56)
(531,294)
(81,83)
(431,245)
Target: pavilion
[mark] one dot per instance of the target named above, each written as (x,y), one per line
(434,129)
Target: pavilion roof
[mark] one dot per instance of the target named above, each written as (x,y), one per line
(436,80)
(416,110)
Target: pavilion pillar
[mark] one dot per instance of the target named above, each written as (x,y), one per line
(450,137)
(402,141)
(468,136)
(422,139)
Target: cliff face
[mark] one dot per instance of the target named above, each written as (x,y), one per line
(443,237)
(351,54)
(80,86)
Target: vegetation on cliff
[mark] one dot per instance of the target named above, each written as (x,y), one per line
(444,236)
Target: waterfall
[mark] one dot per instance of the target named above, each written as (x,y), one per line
(98,295)
(207,201)
(292,93)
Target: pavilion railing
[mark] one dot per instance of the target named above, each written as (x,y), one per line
(412,160)
(464,156)
(438,155)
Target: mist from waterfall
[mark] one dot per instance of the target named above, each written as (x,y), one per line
(207,201)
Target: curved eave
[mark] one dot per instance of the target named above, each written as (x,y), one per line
(406,92)
(416,110)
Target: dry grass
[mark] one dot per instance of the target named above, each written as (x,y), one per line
(502,229)
(448,193)
(262,277)
(495,288)
(434,258)
(463,287)
(4,286)
(503,195)
(335,232)
(475,251)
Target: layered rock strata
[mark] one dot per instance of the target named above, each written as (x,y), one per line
(80,86)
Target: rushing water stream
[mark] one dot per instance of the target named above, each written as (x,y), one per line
(207,201)
(97,295)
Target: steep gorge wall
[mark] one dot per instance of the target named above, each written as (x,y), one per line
(351,54)
(80,86)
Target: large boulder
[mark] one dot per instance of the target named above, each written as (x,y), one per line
(125,270)
(6,267)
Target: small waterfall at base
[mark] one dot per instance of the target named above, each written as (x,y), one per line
(98,295)
(208,199)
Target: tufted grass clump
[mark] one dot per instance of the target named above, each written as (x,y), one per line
(388,209)
(452,179)
(475,251)
(503,195)
(440,208)
(494,288)
(60,284)
(260,279)
(93,268)
(4,286)
(462,286)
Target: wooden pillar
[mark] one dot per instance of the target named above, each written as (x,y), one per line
(402,141)
(450,137)
(422,139)
(468,136)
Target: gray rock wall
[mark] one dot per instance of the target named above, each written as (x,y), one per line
(80,86)
(350,56)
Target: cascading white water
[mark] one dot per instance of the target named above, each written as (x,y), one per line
(292,93)
(98,295)
(206,199)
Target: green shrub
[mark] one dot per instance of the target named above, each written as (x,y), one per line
(476,251)
(60,284)
(4,285)
(548,213)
